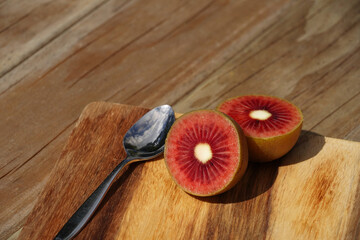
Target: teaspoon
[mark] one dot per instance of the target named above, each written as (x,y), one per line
(143,141)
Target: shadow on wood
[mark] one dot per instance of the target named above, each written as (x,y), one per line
(259,177)
(308,146)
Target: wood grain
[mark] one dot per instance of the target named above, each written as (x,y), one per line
(311,193)
(315,79)
(42,21)
(56,57)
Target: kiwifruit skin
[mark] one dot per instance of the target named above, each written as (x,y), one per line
(271,148)
(243,156)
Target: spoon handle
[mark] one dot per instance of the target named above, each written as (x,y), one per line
(85,211)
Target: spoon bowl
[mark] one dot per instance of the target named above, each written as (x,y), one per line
(146,138)
(143,141)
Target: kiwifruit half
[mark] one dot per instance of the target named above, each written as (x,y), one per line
(271,125)
(206,152)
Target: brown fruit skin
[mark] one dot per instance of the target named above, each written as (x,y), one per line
(269,149)
(243,157)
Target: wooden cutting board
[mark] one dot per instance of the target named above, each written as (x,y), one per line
(311,193)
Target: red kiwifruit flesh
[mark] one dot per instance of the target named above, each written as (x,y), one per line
(272,125)
(205,152)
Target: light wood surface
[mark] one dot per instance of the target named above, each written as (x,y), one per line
(57,56)
(311,193)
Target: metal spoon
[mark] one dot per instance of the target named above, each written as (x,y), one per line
(144,140)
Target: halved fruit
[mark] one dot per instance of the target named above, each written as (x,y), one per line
(206,152)
(271,125)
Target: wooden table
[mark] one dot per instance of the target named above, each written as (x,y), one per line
(58,56)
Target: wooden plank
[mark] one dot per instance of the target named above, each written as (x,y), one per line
(62,47)
(22,38)
(344,122)
(20,188)
(291,61)
(311,193)
(154,52)
(14,11)
(202,52)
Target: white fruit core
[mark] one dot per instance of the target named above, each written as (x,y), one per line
(203,152)
(260,114)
